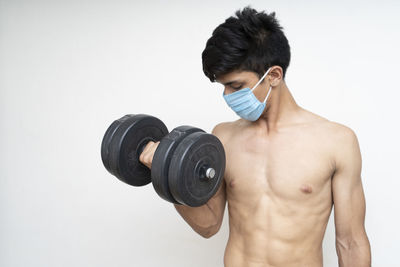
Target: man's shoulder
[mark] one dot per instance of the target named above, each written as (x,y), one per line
(332,129)
(224,130)
(339,132)
(337,136)
(345,148)
(340,140)
(223,126)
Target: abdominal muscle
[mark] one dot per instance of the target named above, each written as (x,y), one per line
(266,230)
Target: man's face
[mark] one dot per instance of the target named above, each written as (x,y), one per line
(236,80)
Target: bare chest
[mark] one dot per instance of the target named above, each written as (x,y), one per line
(292,167)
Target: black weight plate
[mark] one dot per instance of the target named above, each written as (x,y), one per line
(126,144)
(186,183)
(162,158)
(105,144)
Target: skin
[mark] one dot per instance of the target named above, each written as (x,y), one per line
(284,173)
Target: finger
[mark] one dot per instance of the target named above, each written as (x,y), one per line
(143,155)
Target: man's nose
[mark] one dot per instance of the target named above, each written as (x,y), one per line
(227,91)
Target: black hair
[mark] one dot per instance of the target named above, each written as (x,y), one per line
(251,41)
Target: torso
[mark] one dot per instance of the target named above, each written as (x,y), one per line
(278,188)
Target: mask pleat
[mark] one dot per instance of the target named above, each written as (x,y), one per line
(245,103)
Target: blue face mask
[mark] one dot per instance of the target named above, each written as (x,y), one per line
(245,103)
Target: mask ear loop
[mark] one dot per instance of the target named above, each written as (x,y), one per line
(269,91)
(261,79)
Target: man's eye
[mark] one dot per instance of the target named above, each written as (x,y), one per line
(237,88)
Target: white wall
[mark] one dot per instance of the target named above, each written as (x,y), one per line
(69,68)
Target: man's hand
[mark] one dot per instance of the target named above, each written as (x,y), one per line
(146,157)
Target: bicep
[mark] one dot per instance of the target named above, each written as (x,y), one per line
(348,194)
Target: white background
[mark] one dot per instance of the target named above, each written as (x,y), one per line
(69,68)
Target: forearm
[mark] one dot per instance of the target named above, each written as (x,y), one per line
(207,219)
(202,219)
(354,253)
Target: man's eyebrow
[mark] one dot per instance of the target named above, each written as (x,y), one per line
(234,81)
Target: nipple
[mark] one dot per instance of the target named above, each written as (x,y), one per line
(305,188)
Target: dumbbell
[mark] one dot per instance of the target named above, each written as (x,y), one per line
(187,167)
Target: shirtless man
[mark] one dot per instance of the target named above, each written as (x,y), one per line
(285,166)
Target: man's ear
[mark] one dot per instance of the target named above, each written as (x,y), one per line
(275,75)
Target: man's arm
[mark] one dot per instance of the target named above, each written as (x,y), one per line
(352,245)
(206,220)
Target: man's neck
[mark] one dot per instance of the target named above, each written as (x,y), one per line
(281,109)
